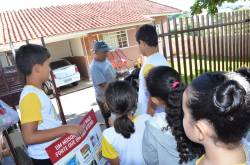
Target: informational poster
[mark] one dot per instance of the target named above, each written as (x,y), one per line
(82,150)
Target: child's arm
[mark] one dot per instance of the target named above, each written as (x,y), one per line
(33,136)
(109,152)
(31,115)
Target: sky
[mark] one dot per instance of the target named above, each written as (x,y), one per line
(24,4)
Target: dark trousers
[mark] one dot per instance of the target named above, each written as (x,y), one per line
(105,112)
(41,162)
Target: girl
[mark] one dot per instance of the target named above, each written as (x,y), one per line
(217,115)
(122,143)
(164,139)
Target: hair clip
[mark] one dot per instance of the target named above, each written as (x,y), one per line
(175,84)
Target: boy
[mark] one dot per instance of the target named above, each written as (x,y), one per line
(40,125)
(147,39)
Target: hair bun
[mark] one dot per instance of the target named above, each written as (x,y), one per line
(244,72)
(229,97)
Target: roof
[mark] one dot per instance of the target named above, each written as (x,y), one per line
(28,24)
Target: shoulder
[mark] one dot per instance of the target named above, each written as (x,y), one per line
(146,68)
(159,60)
(142,118)
(140,121)
(246,145)
(93,65)
(29,92)
(109,133)
(158,121)
(154,61)
(27,99)
(33,95)
(107,62)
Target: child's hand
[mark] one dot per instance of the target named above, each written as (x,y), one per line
(73,129)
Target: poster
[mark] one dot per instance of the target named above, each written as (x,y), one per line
(82,150)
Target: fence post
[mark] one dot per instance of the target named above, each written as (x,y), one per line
(222,43)
(244,39)
(194,48)
(199,45)
(177,47)
(170,44)
(163,41)
(209,45)
(183,51)
(204,43)
(189,50)
(217,42)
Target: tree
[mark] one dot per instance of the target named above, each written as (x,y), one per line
(210,5)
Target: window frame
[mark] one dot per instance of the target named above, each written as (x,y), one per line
(8,59)
(114,33)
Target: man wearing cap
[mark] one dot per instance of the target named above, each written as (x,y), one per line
(102,73)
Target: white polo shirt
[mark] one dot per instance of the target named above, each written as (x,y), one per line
(152,61)
(128,150)
(35,105)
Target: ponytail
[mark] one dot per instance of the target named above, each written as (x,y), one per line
(121,99)
(124,126)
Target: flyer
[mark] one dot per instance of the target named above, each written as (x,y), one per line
(82,150)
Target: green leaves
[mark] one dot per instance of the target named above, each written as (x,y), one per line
(210,5)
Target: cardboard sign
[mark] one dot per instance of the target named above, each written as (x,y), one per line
(82,150)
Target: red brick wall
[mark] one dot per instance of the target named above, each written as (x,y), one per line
(132,52)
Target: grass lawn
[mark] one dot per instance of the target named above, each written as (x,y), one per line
(228,66)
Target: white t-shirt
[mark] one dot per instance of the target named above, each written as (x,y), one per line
(129,150)
(152,61)
(35,105)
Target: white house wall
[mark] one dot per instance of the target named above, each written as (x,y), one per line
(76,46)
(59,49)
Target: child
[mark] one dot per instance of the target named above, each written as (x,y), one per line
(147,39)
(122,143)
(217,115)
(40,125)
(164,140)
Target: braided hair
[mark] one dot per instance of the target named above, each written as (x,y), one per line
(164,82)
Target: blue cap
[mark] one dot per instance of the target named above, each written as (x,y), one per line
(100,46)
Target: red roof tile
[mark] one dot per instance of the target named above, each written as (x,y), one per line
(34,23)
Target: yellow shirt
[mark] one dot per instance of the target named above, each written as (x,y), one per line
(202,157)
(36,106)
(129,151)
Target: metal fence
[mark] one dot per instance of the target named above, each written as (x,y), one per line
(201,44)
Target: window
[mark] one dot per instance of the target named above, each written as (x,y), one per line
(158,29)
(116,39)
(6,59)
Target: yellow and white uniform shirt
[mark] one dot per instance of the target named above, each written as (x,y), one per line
(152,61)
(129,151)
(36,106)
